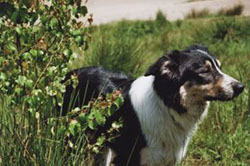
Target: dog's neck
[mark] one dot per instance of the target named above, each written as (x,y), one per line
(194,105)
(162,125)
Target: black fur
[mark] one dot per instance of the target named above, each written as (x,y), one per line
(93,81)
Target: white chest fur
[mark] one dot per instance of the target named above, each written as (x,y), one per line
(167,133)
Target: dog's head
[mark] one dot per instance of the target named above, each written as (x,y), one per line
(196,73)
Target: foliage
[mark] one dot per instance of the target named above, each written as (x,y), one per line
(36,46)
(38,41)
(234,11)
(161,19)
(50,140)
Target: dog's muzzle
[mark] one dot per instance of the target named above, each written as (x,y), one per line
(237,89)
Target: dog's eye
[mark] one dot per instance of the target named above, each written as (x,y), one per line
(204,71)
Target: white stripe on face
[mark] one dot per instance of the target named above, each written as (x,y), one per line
(227,81)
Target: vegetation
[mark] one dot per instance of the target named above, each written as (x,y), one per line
(198,14)
(38,41)
(32,134)
(234,11)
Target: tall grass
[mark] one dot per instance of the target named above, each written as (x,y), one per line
(131,46)
(36,140)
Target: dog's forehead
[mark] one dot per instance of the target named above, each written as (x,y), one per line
(204,55)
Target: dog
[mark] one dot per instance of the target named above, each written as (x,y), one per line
(161,109)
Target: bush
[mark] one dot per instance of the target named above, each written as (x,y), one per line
(161,19)
(38,40)
(198,14)
(234,11)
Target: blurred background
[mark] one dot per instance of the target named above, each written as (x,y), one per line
(113,10)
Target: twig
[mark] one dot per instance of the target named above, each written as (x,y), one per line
(48,64)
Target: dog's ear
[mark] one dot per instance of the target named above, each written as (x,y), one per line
(166,62)
(198,46)
(155,68)
(175,55)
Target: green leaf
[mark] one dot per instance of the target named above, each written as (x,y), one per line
(36,29)
(54,22)
(33,17)
(40,52)
(119,102)
(67,52)
(51,70)
(33,52)
(76,32)
(37,92)
(74,127)
(82,118)
(19,30)
(21,80)
(61,130)
(82,10)
(15,16)
(29,83)
(27,56)
(71,2)
(92,125)
(44,19)
(73,10)
(59,34)
(74,55)
(12,47)
(71,129)
(100,119)
(79,40)
(51,91)
(21,15)
(3,76)
(18,91)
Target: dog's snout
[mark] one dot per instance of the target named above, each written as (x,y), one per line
(238,88)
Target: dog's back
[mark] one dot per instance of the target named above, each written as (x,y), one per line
(92,82)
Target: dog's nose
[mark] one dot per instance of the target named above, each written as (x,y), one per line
(238,88)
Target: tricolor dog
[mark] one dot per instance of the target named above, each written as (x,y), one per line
(162,108)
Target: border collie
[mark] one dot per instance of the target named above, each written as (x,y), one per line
(161,109)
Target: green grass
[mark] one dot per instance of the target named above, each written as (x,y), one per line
(131,46)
